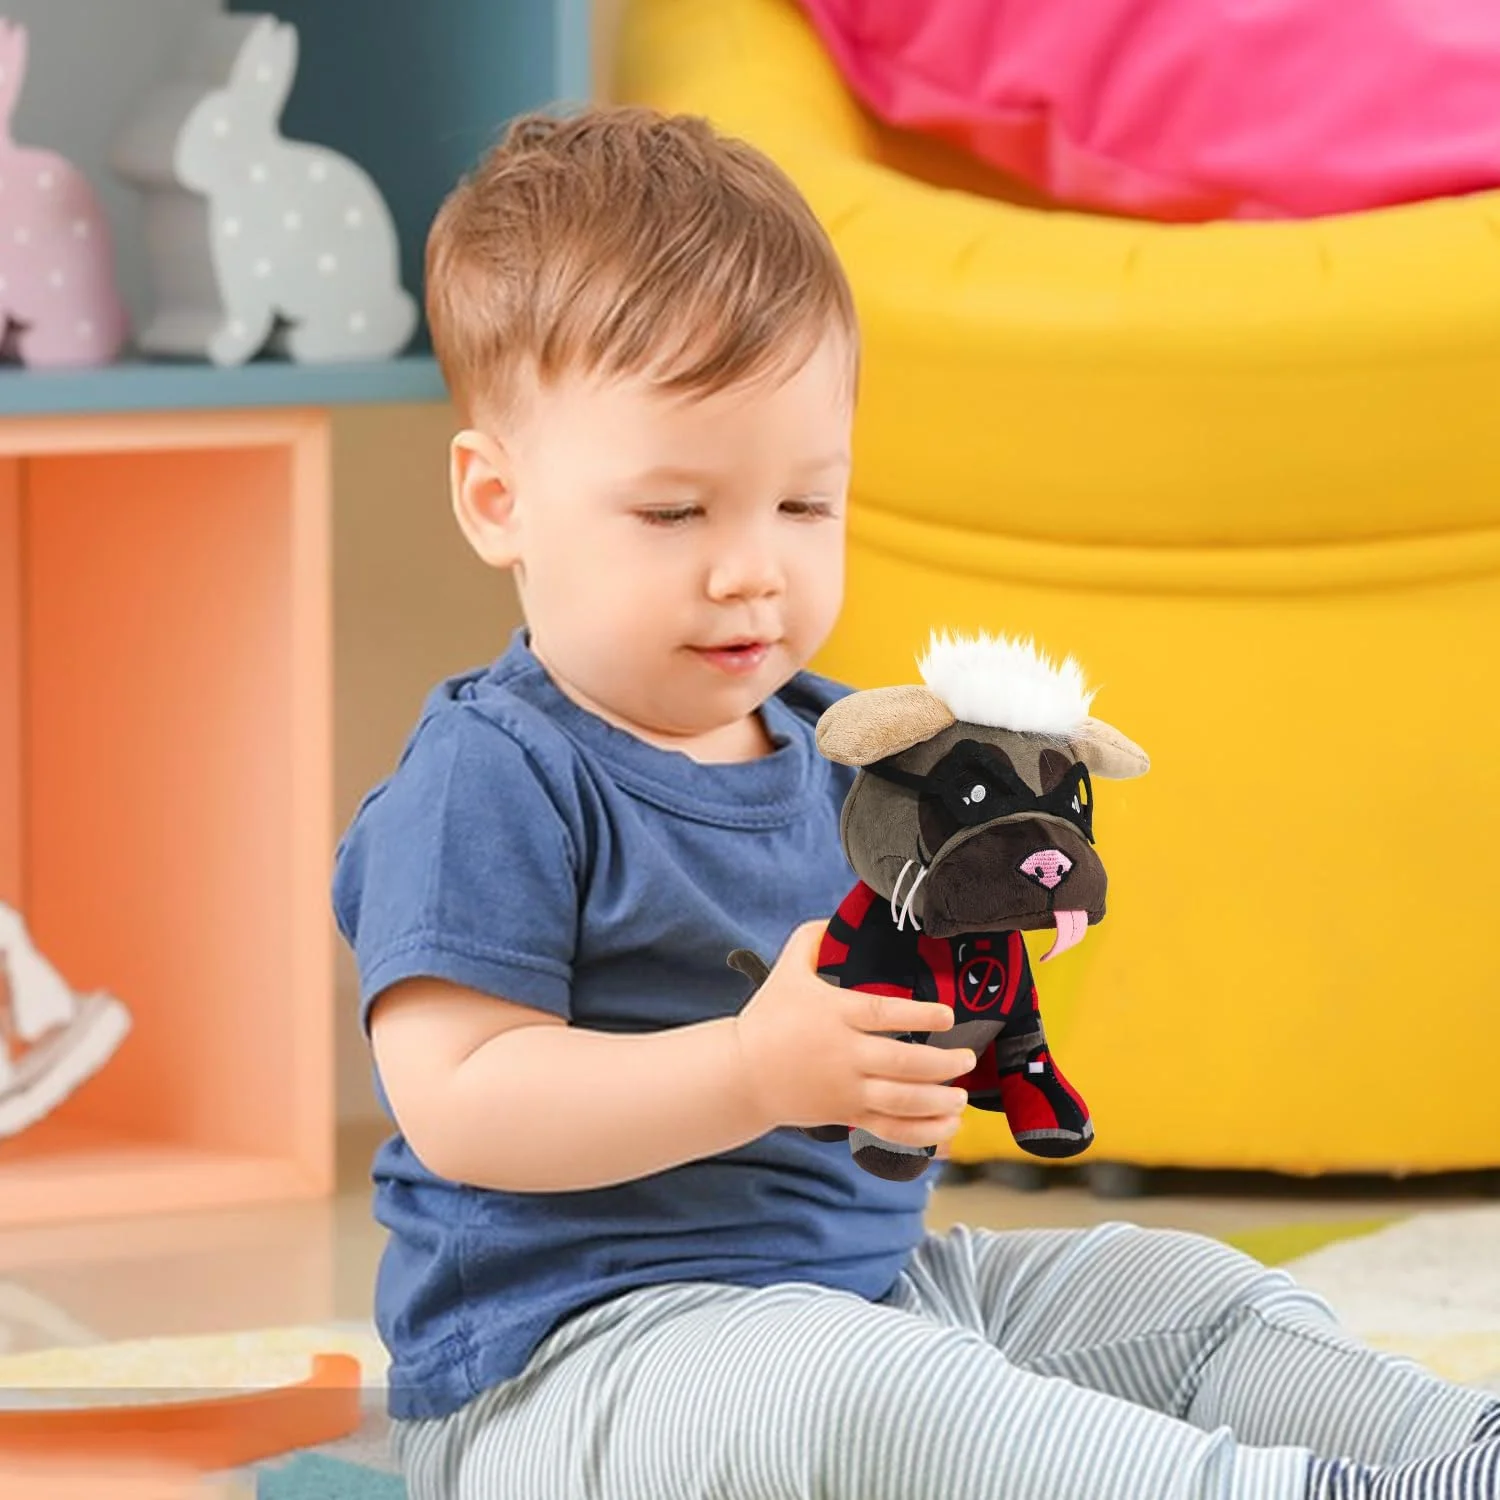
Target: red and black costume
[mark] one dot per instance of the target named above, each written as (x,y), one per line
(985,977)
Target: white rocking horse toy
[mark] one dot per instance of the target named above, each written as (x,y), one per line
(54,1040)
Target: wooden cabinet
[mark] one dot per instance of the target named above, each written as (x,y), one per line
(165,705)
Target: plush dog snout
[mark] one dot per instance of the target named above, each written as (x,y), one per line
(1048,867)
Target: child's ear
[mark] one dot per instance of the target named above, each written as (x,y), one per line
(479,476)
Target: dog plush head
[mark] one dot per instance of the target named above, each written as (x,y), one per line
(975,795)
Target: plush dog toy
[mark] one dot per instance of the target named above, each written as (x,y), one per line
(971,821)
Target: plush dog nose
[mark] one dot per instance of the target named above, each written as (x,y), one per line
(1048,867)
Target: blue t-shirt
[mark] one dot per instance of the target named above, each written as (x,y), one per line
(527,849)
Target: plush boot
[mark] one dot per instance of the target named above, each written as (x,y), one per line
(1047,1115)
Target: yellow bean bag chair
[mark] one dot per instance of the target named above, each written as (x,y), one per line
(1250,474)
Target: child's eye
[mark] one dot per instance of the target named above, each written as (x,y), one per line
(670,515)
(815,510)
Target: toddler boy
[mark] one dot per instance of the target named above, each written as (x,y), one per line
(613,1270)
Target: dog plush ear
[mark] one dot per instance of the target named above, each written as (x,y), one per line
(1106,752)
(878,722)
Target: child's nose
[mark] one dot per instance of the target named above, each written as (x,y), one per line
(750,574)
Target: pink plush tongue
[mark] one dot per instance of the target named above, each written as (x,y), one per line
(1072,926)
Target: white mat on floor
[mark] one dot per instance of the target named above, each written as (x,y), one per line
(1428,1286)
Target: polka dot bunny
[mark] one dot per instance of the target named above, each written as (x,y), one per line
(257,240)
(58,294)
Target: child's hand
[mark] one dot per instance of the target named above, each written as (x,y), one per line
(815,1055)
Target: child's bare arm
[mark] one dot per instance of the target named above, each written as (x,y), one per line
(504,1096)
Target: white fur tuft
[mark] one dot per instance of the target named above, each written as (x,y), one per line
(1005,684)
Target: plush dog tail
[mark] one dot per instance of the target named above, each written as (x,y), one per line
(751,965)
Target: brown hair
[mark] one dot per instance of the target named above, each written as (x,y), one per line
(621,241)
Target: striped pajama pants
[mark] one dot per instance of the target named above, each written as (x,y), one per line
(1113,1363)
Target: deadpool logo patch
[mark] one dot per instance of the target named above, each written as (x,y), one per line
(981,982)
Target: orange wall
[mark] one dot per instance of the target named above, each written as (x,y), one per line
(11,605)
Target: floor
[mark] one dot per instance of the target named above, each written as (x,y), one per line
(311,1263)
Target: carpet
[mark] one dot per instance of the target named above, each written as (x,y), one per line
(1427,1287)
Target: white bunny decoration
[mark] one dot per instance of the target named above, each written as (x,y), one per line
(58,295)
(255,239)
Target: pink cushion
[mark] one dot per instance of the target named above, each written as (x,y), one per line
(1192,109)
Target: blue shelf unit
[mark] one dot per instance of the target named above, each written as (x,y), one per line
(135,386)
(413,90)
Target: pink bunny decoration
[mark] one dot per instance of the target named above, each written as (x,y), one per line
(57,271)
